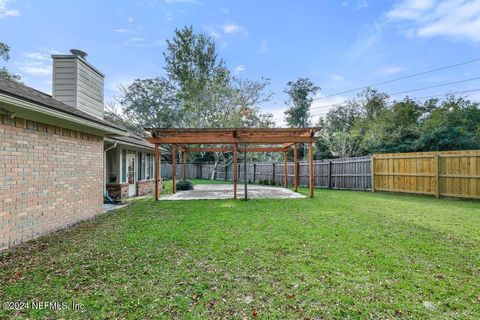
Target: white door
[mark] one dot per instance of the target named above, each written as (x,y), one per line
(131,174)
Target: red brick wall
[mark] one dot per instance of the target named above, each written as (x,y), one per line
(117,191)
(50,177)
(145,187)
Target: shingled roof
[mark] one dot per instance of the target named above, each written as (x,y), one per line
(21,91)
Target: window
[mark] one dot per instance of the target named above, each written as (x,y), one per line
(124,165)
(147,166)
(144,172)
(111,159)
(151,166)
(140,168)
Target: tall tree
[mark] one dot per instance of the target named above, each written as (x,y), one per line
(147,103)
(5,55)
(209,94)
(192,63)
(300,97)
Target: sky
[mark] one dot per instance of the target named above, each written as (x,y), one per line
(340,45)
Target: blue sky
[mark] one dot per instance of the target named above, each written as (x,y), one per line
(339,45)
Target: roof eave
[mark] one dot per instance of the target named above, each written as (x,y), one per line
(25,107)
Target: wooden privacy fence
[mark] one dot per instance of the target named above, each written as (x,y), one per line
(345,173)
(448,173)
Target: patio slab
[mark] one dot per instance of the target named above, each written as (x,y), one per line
(225,191)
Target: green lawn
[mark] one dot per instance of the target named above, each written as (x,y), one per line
(340,255)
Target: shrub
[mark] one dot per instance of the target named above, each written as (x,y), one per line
(184,185)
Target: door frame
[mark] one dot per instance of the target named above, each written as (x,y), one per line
(132,187)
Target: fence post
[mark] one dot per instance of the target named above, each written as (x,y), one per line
(437,176)
(329,174)
(372,169)
(273,172)
(226,172)
(254,172)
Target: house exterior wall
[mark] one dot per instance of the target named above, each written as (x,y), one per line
(50,178)
(118,188)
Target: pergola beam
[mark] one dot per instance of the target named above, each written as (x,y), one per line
(229,140)
(226,149)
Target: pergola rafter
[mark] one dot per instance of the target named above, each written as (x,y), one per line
(183,137)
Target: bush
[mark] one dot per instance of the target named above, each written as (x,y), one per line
(184,185)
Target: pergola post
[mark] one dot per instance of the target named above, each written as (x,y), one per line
(245,172)
(174,168)
(185,168)
(235,170)
(295,167)
(156,171)
(310,168)
(285,169)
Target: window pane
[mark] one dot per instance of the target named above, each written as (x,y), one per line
(151,166)
(142,164)
(139,174)
(124,165)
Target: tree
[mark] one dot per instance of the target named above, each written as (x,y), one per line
(300,97)
(147,103)
(5,55)
(452,125)
(202,79)
(342,118)
(342,144)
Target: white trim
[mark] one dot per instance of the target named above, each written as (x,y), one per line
(58,114)
(120,142)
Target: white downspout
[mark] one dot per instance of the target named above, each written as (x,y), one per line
(105,167)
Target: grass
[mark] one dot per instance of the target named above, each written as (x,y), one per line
(340,255)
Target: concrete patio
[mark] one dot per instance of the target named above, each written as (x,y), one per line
(225,191)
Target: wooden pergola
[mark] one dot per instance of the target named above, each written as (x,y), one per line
(277,140)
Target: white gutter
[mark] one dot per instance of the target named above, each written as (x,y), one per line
(29,106)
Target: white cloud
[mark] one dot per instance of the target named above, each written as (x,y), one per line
(231,28)
(356,4)
(34,68)
(141,42)
(337,77)
(37,55)
(364,41)
(456,19)
(320,107)
(239,69)
(7,12)
(131,19)
(120,30)
(184,1)
(388,70)
(263,47)
(36,63)
(278,116)
(212,32)
(136,39)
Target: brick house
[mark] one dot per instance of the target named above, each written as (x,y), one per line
(54,167)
